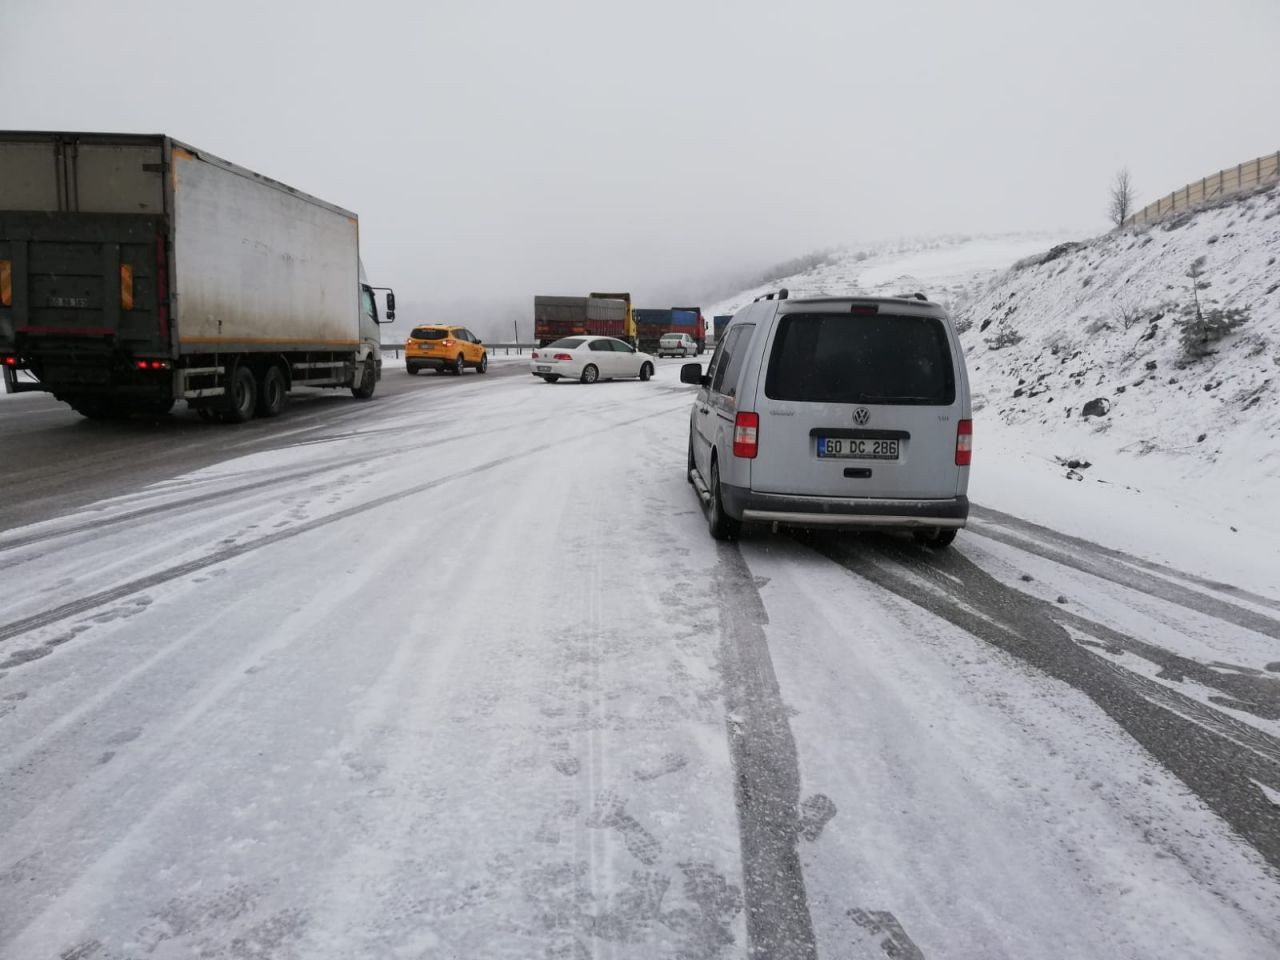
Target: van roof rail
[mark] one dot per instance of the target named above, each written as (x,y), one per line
(912,296)
(778,294)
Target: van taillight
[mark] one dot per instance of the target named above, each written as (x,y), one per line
(964,443)
(746,435)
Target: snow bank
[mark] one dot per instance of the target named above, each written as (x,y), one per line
(1095,346)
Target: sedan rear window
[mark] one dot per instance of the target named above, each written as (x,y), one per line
(422,333)
(839,358)
(568,343)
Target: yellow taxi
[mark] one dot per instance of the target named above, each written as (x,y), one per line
(440,348)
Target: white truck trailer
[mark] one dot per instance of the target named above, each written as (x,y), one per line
(136,271)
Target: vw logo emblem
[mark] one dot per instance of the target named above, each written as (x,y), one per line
(861,416)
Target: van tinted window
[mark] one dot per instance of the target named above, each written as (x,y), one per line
(735,351)
(839,358)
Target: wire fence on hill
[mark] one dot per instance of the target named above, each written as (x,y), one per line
(1243,176)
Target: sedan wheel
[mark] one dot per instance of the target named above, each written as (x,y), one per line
(646,371)
(590,374)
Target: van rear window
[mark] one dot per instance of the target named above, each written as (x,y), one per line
(841,358)
(422,333)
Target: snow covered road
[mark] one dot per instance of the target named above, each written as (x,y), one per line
(464,676)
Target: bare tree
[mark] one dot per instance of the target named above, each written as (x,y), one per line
(1121,197)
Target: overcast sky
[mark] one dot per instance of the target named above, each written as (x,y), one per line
(501,149)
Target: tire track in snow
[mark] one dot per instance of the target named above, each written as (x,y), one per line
(26,624)
(203,499)
(1217,768)
(1113,565)
(766,772)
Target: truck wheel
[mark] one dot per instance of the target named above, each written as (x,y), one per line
(459,365)
(590,373)
(368,380)
(242,396)
(721,525)
(273,393)
(646,371)
(95,409)
(484,364)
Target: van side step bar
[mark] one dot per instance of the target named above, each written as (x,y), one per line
(700,488)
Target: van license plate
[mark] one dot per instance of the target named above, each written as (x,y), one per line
(858,449)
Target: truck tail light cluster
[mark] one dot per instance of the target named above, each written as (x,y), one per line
(746,435)
(964,443)
(152,364)
(9,361)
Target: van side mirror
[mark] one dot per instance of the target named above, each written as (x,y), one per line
(692,373)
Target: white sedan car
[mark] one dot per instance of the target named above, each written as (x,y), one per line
(590,359)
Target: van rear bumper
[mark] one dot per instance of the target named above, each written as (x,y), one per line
(865,512)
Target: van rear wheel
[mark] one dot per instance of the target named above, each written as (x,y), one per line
(937,537)
(721,525)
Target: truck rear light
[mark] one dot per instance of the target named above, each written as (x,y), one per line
(126,286)
(9,361)
(964,443)
(746,435)
(152,364)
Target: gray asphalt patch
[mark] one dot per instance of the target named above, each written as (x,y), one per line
(766,772)
(1217,768)
(884,926)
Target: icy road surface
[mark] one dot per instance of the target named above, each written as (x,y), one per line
(460,674)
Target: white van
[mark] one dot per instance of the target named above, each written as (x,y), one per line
(834,411)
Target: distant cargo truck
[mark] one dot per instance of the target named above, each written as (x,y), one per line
(557,317)
(136,270)
(629,327)
(651,324)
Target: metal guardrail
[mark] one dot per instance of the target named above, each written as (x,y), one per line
(493,348)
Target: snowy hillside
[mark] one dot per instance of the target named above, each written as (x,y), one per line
(948,270)
(1099,343)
